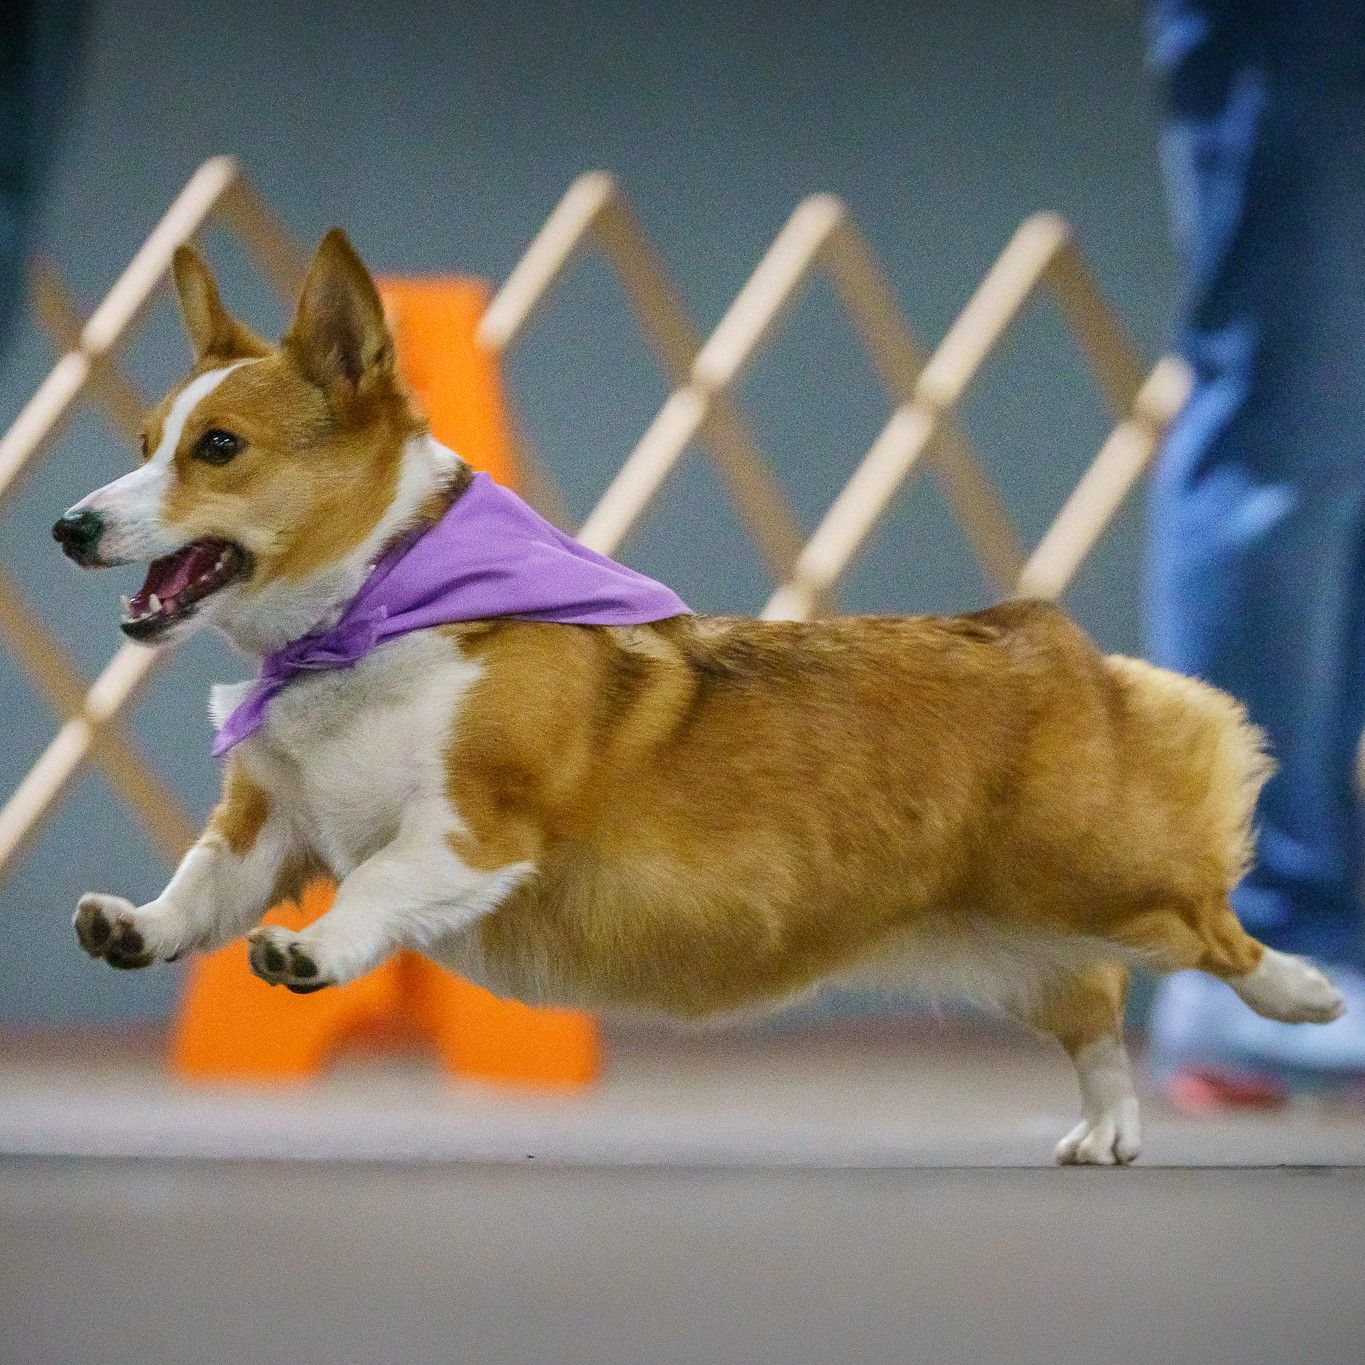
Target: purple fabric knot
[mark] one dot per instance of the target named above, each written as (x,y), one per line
(490,555)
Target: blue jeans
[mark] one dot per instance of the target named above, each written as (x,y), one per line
(1257,554)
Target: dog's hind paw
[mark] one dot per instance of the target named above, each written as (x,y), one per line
(1113,1138)
(106,927)
(279,958)
(1290,989)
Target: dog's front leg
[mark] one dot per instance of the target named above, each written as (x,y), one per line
(224,884)
(411,893)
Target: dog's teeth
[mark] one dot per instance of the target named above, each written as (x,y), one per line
(154,604)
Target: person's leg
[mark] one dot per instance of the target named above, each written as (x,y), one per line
(1253,587)
(1258,504)
(1257,566)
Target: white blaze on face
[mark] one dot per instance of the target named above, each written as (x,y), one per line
(132,506)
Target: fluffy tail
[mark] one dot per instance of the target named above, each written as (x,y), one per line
(1215,758)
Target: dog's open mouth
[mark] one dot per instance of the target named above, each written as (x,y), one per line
(177,583)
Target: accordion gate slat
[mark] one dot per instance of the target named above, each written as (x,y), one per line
(924,388)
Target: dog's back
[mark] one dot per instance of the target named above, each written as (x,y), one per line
(739,809)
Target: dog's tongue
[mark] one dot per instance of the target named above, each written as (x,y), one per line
(169,576)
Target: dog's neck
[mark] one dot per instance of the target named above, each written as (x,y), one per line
(431,478)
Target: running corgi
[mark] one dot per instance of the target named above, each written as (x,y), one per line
(543,771)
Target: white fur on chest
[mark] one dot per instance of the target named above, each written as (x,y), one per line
(352,756)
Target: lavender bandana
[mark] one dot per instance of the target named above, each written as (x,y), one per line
(490,555)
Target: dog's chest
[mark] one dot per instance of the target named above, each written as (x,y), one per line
(350,756)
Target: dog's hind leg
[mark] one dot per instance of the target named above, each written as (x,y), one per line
(1290,989)
(1209,938)
(1083,1009)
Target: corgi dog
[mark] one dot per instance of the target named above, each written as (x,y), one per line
(695,815)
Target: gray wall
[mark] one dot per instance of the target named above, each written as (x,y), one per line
(441,135)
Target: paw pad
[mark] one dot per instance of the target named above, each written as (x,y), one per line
(281,961)
(108,933)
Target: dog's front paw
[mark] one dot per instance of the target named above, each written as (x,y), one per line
(107,928)
(281,958)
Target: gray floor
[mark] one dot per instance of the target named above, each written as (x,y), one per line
(787,1197)
(261,1262)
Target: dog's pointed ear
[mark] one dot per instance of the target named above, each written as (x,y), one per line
(212,330)
(339,336)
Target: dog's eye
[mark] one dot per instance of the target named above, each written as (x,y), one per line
(217,446)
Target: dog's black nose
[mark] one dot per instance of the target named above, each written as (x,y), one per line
(78,533)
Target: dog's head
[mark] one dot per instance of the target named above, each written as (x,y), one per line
(266,465)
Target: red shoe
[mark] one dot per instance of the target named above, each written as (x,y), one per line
(1211,1090)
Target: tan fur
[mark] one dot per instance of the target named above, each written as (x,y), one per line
(291,436)
(696,816)
(321,459)
(238,820)
(727,811)
(241,811)
(1200,740)
(1079,1008)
